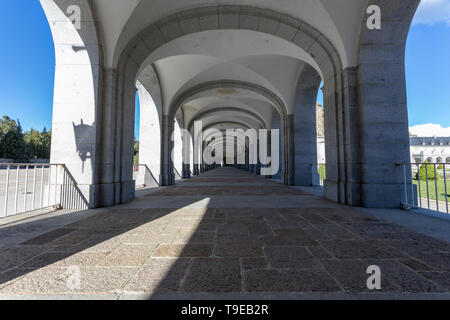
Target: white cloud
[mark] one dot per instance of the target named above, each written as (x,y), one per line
(430,130)
(433,11)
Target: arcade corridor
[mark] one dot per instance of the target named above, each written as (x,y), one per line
(227,233)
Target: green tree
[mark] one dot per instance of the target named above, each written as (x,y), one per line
(19,146)
(136,152)
(12,143)
(427,171)
(46,140)
(38,143)
(33,143)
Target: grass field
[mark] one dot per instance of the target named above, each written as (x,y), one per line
(432,189)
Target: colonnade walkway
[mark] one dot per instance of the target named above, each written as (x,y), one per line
(226,234)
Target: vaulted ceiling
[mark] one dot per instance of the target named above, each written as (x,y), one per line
(243,56)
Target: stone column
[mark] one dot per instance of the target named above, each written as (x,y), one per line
(77,101)
(196,170)
(290,172)
(166,177)
(276,125)
(224,144)
(247,159)
(186,139)
(128,187)
(382,105)
(269,149)
(305,126)
(202,166)
(235,150)
(109,188)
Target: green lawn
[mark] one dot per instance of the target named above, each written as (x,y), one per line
(432,189)
(322,172)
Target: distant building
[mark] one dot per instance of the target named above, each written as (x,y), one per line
(320,149)
(430,149)
(320,129)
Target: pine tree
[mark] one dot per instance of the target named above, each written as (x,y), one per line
(429,173)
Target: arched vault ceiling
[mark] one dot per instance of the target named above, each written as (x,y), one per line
(230,45)
(218,112)
(339,21)
(275,73)
(199,107)
(230,118)
(229,96)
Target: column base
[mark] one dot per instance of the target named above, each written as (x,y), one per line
(128,190)
(111,194)
(303,179)
(167,179)
(382,195)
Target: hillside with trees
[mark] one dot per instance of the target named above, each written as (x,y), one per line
(23,146)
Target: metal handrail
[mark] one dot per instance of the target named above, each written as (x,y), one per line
(147,170)
(415,198)
(52,186)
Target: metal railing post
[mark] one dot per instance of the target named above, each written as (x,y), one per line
(66,191)
(426,182)
(42,187)
(445,189)
(16,194)
(419,184)
(5,213)
(436,187)
(425,167)
(34,187)
(48,184)
(406,185)
(26,189)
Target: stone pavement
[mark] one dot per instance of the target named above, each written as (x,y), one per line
(226,234)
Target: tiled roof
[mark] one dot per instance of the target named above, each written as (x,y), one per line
(429,141)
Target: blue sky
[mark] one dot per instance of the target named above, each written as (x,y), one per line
(428,74)
(27,64)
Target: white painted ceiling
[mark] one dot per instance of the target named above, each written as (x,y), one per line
(241,55)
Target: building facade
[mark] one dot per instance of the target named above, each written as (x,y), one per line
(430,149)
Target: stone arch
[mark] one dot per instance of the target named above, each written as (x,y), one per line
(239,146)
(275,100)
(305,125)
(315,44)
(150,97)
(241,125)
(381,104)
(252,114)
(77,104)
(177,152)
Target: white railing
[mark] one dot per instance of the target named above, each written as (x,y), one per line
(26,187)
(177,174)
(425,186)
(318,174)
(144,177)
